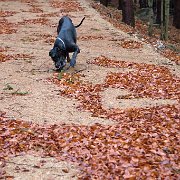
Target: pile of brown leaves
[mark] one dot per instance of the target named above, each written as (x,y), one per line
(47,38)
(35,9)
(174,56)
(53,14)
(7,13)
(148,81)
(41,21)
(143,145)
(9,28)
(22,1)
(90,37)
(130,44)
(5,57)
(162,83)
(67,6)
(28,1)
(6,27)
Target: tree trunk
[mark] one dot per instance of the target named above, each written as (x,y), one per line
(162,19)
(120,4)
(151,16)
(135,5)
(166,19)
(154,6)
(143,3)
(128,12)
(176,18)
(104,2)
(158,15)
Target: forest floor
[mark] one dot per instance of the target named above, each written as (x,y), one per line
(115,115)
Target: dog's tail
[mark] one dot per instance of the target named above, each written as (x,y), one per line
(80,23)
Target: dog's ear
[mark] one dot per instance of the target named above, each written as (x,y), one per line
(58,29)
(51,53)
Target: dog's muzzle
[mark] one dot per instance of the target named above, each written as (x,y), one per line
(60,65)
(59,61)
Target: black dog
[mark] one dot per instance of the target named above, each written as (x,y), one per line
(65,43)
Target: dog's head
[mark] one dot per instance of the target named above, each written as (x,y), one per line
(58,55)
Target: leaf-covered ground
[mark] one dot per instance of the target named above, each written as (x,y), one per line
(48,117)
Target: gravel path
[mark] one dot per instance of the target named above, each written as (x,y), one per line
(26,93)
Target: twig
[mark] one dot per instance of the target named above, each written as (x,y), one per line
(80,70)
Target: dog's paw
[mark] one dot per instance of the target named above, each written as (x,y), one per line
(72,62)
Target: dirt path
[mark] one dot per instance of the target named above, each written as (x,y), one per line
(26,93)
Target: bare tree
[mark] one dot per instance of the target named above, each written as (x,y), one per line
(143,3)
(151,16)
(164,19)
(158,11)
(176,18)
(128,12)
(120,4)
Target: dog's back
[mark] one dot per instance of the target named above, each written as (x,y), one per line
(66,23)
(66,27)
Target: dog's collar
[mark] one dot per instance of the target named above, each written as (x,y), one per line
(62,42)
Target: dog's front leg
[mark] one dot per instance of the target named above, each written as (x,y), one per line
(74,56)
(68,58)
